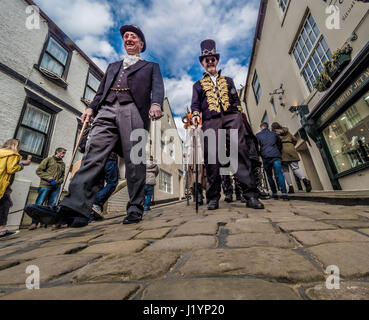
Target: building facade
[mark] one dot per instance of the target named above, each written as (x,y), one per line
(309,72)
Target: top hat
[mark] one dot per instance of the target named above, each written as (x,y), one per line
(136,30)
(208,49)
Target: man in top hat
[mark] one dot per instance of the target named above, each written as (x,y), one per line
(130,94)
(215,99)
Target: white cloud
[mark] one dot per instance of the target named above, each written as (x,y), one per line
(101,63)
(179,93)
(78,18)
(236,71)
(93,46)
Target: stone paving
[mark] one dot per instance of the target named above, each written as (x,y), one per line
(232,253)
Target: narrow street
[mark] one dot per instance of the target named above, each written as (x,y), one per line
(281,252)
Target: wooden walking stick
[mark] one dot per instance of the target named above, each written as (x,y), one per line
(197,173)
(71,162)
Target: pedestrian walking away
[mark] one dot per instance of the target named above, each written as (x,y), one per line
(216,102)
(10,163)
(290,157)
(130,95)
(270,150)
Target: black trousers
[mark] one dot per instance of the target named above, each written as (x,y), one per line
(112,126)
(246,154)
(5,204)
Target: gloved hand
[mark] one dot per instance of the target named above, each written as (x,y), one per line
(53,183)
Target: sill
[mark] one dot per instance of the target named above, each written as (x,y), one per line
(51,77)
(352,171)
(35,158)
(86,102)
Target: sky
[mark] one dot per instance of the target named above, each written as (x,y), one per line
(173,30)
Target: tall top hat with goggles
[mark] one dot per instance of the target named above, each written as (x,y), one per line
(208,49)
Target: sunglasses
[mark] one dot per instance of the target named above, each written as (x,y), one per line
(208,60)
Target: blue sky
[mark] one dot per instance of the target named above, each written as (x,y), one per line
(173,31)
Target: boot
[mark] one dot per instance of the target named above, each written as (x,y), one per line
(213,205)
(291,190)
(254,203)
(307,184)
(263,195)
(228,198)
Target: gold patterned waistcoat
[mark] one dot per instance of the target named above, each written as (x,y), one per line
(217,96)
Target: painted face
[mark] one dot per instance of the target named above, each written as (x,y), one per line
(210,64)
(132,43)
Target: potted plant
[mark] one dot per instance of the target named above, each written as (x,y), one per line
(340,58)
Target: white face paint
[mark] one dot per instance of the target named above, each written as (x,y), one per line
(210,64)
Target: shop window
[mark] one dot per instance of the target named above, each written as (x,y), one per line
(256,87)
(310,52)
(348,136)
(165,181)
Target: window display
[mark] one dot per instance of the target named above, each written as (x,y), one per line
(348,136)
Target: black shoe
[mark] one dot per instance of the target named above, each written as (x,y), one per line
(285,197)
(228,199)
(43,214)
(133,217)
(262,194)
(79,222)
(6,233)
(291,190)
(243,200)
(213,205)
(307,185)
(238,198)
(275,197)
(254,203)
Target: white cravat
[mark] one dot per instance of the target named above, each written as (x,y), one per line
(130,60)
(213,78)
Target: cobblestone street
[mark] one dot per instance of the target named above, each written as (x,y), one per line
(281,252)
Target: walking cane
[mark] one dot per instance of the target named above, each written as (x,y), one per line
(71,162)
(197,173)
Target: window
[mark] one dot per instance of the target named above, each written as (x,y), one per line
(55,58)
(282,4)
(92,85)
(265,118)
(257,88)
(165,181)
(348,136)
(34,130)
(310,52)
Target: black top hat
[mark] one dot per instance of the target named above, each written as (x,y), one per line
(136,30)
(208,49)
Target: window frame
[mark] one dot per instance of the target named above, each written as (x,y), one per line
(171,181)
(48,136)
(256,76)
(99,78)
(314,46)
(64,76)
(286,5)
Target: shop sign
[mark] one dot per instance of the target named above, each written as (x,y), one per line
(355,87)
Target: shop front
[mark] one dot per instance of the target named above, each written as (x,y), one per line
(339,124)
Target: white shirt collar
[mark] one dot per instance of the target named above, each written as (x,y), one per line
(129,60)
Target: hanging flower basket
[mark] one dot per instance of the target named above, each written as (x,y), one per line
(340,59)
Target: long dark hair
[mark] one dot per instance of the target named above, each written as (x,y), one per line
(276,126)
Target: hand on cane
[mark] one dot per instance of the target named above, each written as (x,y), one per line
(87,115)
(155,112)
(196,120)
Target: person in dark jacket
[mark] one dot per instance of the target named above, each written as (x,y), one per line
(216,102)
(270,150)
(130,95)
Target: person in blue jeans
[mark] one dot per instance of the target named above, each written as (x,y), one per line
(107,186)
(152,171)
(51,172)
(270,149)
